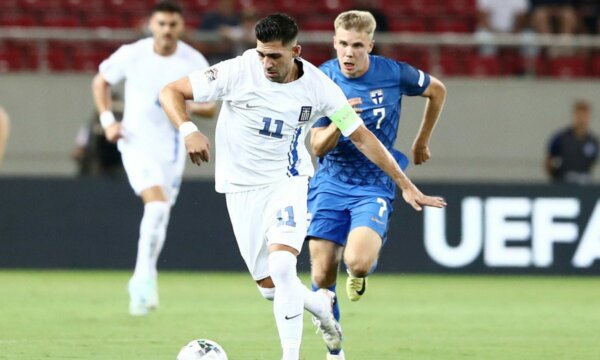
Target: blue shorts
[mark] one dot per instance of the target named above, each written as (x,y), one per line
(336,210)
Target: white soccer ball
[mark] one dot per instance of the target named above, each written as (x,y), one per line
(202,349)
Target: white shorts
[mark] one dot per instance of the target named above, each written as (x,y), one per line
(275,214)
(145,171)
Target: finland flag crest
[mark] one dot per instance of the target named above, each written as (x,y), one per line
(377,96)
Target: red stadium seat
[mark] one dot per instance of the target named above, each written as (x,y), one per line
(453,25)
(567,67)
(63,21)
(18,20)
(595,65)
(83,7)
(407,24)
(460,7)
(103,21)
(41,6)
(57,60)
(482,66)
(10,60)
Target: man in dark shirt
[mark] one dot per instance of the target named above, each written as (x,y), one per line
(573,151)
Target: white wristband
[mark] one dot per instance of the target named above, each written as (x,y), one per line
(187,128)
(107,118)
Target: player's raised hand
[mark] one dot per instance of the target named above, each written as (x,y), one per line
(198,147)
(421,153)
(415,198)
(355,103)
(113,132)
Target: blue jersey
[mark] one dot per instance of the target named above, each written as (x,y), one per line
(381,89)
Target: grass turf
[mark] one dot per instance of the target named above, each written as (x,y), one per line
(83,315)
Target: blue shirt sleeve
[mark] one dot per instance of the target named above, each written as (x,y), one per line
(322,122)
(554,146)
(412,80)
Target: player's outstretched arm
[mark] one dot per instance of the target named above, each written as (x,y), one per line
(436,95)
(373,149)
(172,98)
(103,102)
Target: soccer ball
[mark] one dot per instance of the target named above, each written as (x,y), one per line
(202,349)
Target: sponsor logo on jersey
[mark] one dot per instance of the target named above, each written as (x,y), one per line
(377,96)
(211,74)
(305,113)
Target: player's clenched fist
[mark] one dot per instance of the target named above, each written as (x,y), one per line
(198,147)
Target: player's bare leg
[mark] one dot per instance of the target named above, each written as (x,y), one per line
(361,254)
(143,288)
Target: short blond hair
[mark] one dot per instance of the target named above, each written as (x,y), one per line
(361,21)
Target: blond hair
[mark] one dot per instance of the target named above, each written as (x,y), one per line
(361,21)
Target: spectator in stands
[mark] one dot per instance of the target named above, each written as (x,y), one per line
(572,152)
(93,153)
(589,13)
(553,16)
(374,8)
(500,17)
(4,132)
(242,35)
(223,16)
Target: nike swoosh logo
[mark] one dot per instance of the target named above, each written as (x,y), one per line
(291,317)
(362,289)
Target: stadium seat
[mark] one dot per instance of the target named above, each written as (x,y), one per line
(10,60)
(18,20)
(57,60)
(317,54)
(83,8)
(103,21)
(63,21)
(406,24)
(451,25)
(482,66)
(595,65)
(460,7)
(567,67)
(40,6)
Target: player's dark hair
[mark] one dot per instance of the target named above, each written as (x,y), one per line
(276,27)
(168,7)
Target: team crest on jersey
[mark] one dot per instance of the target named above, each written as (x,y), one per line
(305,113)
(377,96)
(211,74)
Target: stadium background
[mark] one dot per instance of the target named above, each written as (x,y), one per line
(490,141)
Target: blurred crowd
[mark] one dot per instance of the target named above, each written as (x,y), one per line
(233,21)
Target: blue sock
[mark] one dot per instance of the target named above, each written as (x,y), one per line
(336,306)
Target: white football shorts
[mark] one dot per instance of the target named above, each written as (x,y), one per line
(145,171)
(275,214)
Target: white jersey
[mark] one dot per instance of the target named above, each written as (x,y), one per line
(262,124)
(145,73)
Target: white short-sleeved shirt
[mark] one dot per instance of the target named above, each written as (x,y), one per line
(502,13)
(262,124)
(145,73)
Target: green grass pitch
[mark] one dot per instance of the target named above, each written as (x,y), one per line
(83,315)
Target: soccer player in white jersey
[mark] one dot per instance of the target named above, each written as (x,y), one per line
(151,148)
(270,98)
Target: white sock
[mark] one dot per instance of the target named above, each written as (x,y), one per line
(153,228)
(160,242)
(288,304)
(314,304)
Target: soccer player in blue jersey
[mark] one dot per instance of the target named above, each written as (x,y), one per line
(349,198)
